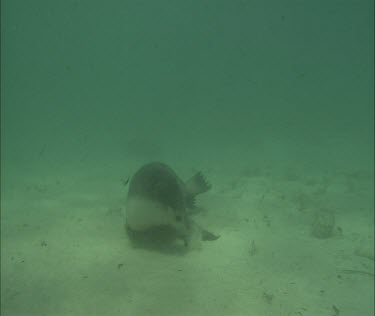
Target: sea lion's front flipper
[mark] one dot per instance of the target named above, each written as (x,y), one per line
(198,233)
(206,235)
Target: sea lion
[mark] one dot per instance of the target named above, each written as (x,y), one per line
(158,205)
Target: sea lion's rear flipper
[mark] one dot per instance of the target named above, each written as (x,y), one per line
(197,184)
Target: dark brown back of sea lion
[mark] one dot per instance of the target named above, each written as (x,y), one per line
(156,181)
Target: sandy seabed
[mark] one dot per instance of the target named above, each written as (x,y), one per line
(64,250)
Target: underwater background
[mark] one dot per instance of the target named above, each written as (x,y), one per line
(272,100)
